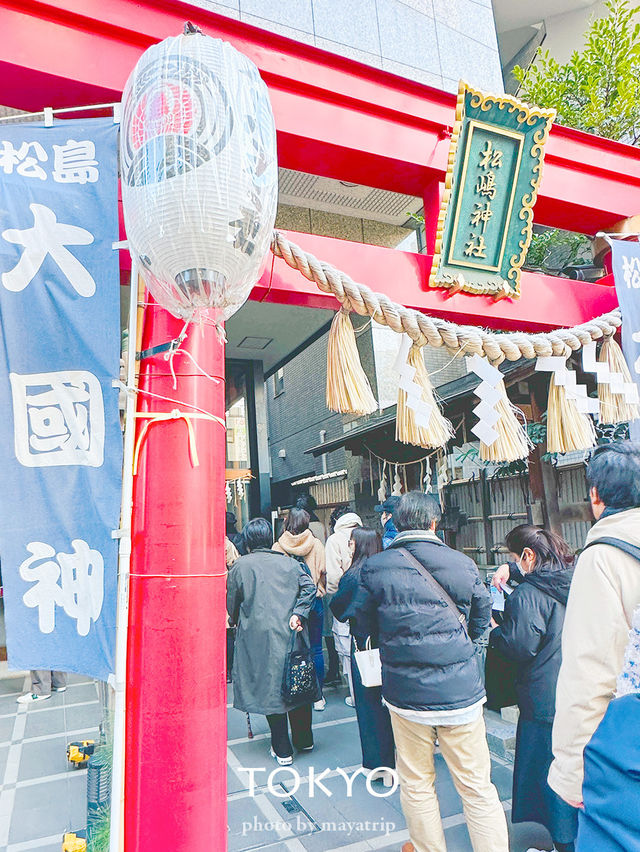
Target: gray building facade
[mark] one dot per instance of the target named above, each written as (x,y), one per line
(431,41)
(434,42)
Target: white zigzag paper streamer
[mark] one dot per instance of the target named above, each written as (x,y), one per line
(413,390)
(605,376)
(564,377)
(489,395)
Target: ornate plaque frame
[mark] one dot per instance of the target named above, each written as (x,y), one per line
(486,213)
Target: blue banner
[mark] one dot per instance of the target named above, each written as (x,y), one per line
(60,436)
(626,272)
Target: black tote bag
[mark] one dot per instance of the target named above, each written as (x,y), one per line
(299,682)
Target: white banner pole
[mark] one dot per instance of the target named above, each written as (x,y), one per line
(116,842)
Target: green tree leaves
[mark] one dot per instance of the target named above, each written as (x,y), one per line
(597,89)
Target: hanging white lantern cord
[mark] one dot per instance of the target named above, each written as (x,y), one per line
(199,175)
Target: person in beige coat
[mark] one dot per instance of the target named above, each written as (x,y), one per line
(298,541)
(339,555)
(337,550)
(604,594)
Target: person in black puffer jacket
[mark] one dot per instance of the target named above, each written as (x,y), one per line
(531,635)
(430,677)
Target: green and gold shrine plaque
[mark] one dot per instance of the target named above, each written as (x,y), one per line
(486,214)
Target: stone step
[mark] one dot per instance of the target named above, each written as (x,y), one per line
(510,714)
(501,735)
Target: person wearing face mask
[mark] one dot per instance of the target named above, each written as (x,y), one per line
(531,635)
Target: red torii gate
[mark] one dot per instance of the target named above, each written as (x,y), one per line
(334,118)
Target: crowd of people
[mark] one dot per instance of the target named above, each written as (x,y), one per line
(570,631)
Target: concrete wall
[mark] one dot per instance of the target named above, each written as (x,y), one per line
(431,41)
(298,414)
(565,33)
(326,224)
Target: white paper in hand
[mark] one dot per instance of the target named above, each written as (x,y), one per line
(497,599)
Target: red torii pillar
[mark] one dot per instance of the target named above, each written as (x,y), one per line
(175,776)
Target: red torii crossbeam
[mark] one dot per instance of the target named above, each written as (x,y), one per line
(335,118)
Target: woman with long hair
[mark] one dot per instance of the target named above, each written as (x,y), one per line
(376,736)
(298,541)
(531,634)
(269,596)
(339,555)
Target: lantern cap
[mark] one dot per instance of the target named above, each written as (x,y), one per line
(191,29)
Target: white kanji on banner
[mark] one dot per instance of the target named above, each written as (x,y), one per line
(73,581)
(58,418)
(48,237)
(75,162)
(19,159)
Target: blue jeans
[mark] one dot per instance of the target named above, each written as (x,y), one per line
(316,617)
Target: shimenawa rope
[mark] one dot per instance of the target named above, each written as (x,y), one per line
(423,329)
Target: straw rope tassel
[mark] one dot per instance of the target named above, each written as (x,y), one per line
(613,406)
(438,429)
(348,388)
(567,428)
(512,442)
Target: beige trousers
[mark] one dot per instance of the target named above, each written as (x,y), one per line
(465,750)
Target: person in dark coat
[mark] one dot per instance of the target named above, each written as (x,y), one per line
(531,635)
(233,535)
(424,604)
(269,595)
(376,736)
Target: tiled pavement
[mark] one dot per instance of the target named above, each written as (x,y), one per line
(280,818)
(41,796)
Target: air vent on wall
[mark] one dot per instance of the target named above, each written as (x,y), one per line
(255,342)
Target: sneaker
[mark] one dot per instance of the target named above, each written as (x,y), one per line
(31,698)
(384,775)
(283,761)
(58,688)
(349,701)
(306,748)
(320,705)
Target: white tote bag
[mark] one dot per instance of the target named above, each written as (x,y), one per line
(369,665)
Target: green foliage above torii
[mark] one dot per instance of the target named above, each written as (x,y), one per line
(597,89)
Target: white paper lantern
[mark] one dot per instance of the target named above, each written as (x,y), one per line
(199,174)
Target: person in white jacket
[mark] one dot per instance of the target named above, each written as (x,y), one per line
(338,556)
(604,594)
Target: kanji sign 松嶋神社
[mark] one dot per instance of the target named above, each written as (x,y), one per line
(495,166)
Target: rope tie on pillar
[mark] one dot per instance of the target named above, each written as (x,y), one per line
(159,417)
